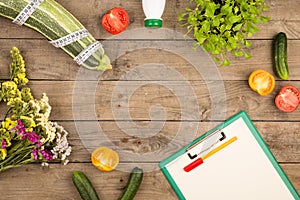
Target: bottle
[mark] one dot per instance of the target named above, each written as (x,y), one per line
(153,10)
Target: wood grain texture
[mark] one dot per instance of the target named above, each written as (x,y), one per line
(58,183)
(282,138)
(173,101)
(91,12)
(45,62)
(102,101)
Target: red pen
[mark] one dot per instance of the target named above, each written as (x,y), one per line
(193,165)
(199,161)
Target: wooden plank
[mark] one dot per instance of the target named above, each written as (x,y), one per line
(282,139)
(44,62)
(90,13)
(55,183)
(112,100)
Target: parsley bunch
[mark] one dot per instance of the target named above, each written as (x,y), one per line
(222,26)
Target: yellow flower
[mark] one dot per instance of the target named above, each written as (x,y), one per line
(8,124)
(14,102)
(17,68)
(9,86)
(28,121)
(26,94)
(8,143)
(3,153)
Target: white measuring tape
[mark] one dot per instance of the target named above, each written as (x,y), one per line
(87,52)
(64,41)
(70,38)
(27,12)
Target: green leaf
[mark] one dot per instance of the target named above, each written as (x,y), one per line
(226,9)
(226,62)
(228,26)
(247,55)
(237,27)
(216,22)
(247,43)
(216,59)
(210,10)
(222,28)
(228,47)
(181,16)
(200,37)
(237,53)
(205,26)
(234,19)
(236,9)
(188,9)
(264,19)
(251,28)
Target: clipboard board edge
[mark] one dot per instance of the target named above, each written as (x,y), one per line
(173,183)
(270,156)
(166,161)
(257,136)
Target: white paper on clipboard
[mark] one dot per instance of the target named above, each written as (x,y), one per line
(243,170)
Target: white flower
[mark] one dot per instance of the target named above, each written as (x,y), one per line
(44,164)
(62,149)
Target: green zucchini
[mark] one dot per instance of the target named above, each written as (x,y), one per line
(53,21)
(84,186)
(133,184)
(280,56)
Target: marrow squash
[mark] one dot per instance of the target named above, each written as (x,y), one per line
(53,21)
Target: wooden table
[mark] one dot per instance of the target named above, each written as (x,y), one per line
(52,71)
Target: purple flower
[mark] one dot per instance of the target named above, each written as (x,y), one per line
(33,137)
(20,128)
(35,153)
(46,154)
(39,144)
(3,144)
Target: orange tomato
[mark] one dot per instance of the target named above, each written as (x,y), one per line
(105,159)
(261,82)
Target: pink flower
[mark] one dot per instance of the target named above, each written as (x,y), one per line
(33,137)
(3,144)
(20,127)
(46,154)
(35,153)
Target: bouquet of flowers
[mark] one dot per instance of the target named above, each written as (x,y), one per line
(26,133)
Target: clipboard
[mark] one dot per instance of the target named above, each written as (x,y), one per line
(230,162)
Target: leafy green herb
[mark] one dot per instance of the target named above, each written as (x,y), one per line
(222,26)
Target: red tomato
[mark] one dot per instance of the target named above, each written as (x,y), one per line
(115,21)
(288,99)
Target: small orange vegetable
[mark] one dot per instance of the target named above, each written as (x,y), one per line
(105,159)
(261,82)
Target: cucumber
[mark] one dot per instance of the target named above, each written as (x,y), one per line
(280,56)
(53,22)
(84,186)
(133,184)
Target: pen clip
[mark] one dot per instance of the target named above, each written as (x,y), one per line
(223,137)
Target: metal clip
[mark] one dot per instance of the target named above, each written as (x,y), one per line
(223,137)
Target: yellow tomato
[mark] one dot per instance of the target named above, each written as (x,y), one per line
(105,159)
(261,82)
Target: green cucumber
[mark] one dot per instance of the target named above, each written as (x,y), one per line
(133,184)
(280,56)
(84,186)
(53,21)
